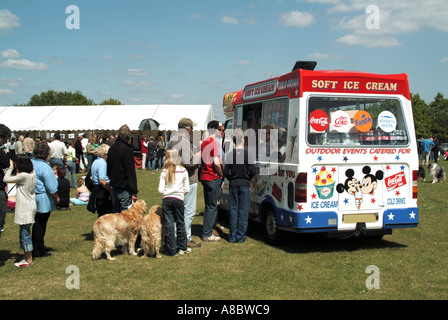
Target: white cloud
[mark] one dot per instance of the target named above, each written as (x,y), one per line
(243,62)
(177,96)
(443,60)
(23,64)
(54,60)
(137,72)
(229,20)
(138,83)
(6,92)
(10,54)
(369,41)
(296,18)
(8,20)
(322,56)
(393,18)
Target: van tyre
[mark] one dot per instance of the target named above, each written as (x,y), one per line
(274,236)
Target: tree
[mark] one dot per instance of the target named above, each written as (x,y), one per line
(422,121)
(111,101)
(54,98)
(438,112)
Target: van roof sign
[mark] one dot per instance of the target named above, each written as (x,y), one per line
(295,83)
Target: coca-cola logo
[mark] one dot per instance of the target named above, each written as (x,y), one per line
(396,181)
(319,120)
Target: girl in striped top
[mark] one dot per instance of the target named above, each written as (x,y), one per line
(25,210)
(173,184)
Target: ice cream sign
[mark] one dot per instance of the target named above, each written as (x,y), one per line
(259,90)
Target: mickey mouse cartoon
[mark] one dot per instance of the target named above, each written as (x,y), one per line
(356,188)
(370,182)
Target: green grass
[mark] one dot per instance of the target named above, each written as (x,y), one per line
(412,262)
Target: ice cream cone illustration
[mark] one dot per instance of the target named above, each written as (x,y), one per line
(358,198)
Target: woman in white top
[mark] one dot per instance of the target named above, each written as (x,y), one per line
(25,210)
(173,184)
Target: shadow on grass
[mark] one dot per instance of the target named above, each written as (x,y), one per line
(310,243)
(6,255)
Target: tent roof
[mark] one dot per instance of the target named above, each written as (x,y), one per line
(100,117)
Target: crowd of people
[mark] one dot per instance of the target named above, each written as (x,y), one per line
(40,171)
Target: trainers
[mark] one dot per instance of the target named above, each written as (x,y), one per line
(212,238)
(23,263)
(184,251)
(192,244)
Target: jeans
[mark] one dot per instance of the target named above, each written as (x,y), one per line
(122,199)
(71,166)
(26,243)
(211,191)
(56,161)
(152,164)
(173,214)
(239,212)
(190,208)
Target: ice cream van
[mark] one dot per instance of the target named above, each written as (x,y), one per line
(335,151)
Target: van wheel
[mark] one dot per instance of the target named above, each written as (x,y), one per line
(273,234)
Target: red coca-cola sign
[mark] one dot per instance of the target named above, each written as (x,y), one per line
(319,120)
(395,181)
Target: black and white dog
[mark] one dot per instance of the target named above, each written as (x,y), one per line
(437,173)
(421,173)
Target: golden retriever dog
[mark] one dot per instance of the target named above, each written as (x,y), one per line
(118,229)
(152,232)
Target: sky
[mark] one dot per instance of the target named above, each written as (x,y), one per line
(196,51)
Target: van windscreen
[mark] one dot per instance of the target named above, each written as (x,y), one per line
(356,121)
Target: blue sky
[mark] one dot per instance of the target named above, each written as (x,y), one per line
(193,52)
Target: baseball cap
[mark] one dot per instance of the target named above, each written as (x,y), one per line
(184,123)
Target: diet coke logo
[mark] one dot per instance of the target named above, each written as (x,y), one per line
(340,121)
(396,181)
(319,120)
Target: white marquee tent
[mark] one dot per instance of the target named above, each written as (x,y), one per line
(99,117)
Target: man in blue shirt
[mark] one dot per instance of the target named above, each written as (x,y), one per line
(427,145)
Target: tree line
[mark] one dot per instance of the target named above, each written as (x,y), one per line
(65,98)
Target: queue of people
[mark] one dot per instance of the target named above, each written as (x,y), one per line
(114,183)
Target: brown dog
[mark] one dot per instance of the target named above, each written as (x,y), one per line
(152,232)
(118,229)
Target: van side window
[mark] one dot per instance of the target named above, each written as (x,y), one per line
(261,118)
(356,121)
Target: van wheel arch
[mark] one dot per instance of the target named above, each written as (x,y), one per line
(274,236)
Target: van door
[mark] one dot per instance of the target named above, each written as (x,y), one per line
(360,187)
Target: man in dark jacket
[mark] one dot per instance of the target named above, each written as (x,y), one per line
(239,170)
(121,170)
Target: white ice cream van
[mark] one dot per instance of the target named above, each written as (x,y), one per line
(336,152)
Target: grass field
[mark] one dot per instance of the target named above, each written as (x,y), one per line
(411,262)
